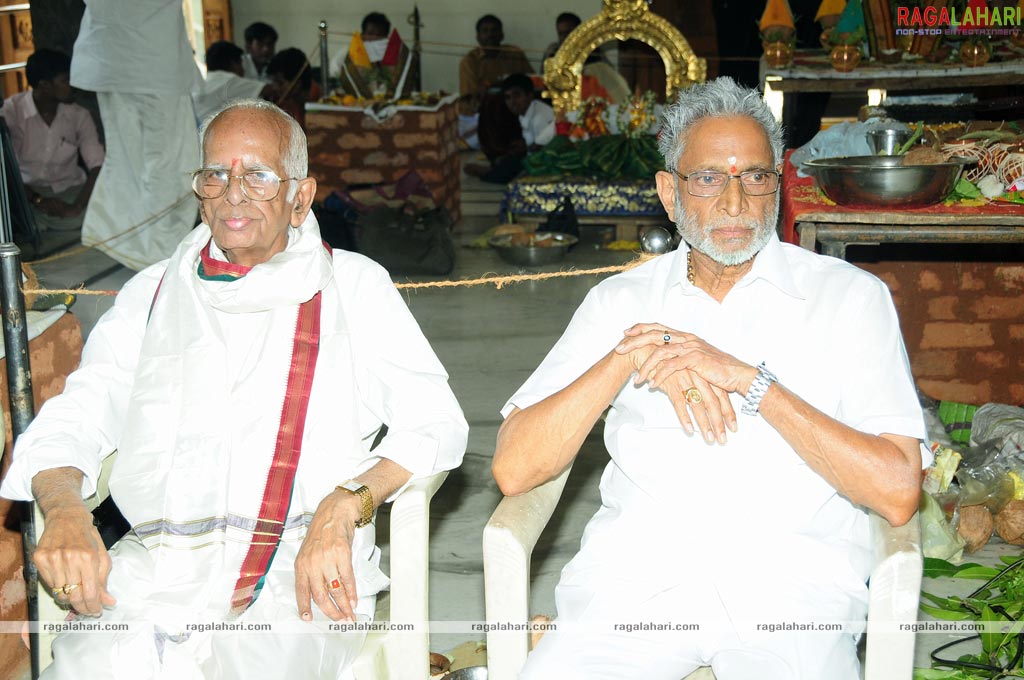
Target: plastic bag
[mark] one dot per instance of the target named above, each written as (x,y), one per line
(938,537)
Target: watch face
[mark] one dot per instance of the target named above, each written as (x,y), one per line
(352,486)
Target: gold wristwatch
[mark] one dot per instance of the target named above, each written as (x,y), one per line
(358,489)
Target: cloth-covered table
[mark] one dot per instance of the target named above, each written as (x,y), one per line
(803,201)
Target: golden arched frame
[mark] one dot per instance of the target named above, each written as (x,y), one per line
(620,20)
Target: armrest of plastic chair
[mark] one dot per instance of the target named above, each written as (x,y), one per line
(894,592)
(405,654)
(509,539)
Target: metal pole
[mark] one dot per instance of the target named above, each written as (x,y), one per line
(19,386)
(324,63)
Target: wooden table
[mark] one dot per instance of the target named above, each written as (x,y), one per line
(837,230)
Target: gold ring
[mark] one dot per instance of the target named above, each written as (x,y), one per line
(694,396)
(334,584)
(667,338)
(68,587)
(56,591)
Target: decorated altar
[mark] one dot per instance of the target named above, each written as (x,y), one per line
(606,156)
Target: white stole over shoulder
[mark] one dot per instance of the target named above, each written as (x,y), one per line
(203,419)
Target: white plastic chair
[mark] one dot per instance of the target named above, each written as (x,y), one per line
(515,526)
(385,655)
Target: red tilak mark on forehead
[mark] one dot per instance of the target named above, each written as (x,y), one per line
(732,169)
(235,161)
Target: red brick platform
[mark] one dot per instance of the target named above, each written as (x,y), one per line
(348,147)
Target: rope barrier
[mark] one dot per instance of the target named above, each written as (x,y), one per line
(498,281)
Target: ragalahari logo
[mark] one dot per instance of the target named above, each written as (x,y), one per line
(977,19)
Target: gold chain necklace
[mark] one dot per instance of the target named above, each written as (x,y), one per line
(690,275)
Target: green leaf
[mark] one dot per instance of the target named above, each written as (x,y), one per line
(934,567)
(945,614)
(990,641)
(1010,559)
(978,571)
(964,189)
(942,674)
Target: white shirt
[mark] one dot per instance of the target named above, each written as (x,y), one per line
(48,154)
(250,71)
(829,331)
(133,47)
(538,123)
(219,88)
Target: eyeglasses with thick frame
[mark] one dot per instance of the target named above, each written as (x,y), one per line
(711,183)
(256,185)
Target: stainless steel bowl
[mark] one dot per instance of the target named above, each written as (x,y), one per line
(885,142)
(537,255)
(884,182)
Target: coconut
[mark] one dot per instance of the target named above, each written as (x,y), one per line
(1010,522)
(975,526)
(923,155)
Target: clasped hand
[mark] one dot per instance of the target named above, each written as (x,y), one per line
(696,377)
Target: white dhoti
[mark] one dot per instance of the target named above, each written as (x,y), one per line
(142,204)
(170,651)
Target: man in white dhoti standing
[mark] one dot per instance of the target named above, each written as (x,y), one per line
(731,523)
(135,55)
(242,382)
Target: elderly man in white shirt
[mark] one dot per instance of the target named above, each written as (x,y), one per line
(760,401)
(50,133)
(135,55)
(243,383)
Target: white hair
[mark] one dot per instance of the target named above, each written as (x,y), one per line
(716,98)
(296,158)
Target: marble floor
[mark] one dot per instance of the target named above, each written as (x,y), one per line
(489,340)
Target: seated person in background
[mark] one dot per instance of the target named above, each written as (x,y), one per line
(292,80)
(377,62)
(224,81)
(480,74)
(242,383)
(260,43)
(49,133)
(537,121)
(727,438)
(610,83)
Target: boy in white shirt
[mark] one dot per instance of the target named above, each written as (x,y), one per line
(537,121)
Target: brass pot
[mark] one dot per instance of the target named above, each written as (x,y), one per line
(845,57)
(778,54)
(975,53)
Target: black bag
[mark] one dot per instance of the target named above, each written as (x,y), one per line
(404,241)
(563,219)
(338,224)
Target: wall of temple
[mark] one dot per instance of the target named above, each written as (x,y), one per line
(963,323)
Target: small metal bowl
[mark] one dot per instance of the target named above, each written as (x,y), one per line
(468,673)
(885,142)
(884,182)
(554,250)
